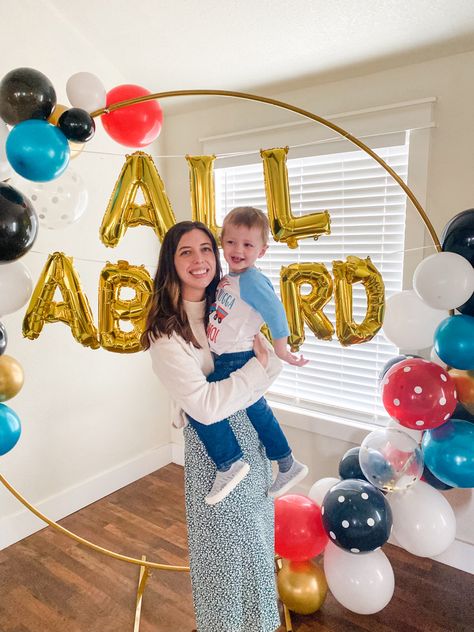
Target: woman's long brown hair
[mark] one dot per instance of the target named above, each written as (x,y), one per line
(167,314)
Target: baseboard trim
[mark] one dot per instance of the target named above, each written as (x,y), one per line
(17,526)
(460,555)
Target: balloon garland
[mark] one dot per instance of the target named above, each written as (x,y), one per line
(349,519)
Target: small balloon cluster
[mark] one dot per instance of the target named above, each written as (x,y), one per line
(437,397)
(46,134)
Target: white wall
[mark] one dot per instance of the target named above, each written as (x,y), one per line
(449,187)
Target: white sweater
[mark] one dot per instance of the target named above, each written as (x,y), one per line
(183,369)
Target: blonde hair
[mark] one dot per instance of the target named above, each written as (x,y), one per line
(247,216)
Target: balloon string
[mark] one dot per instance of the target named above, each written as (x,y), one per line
(153,265)
(249,152)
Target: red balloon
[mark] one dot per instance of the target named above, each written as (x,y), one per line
(419,394)
(135,125)
(299,531)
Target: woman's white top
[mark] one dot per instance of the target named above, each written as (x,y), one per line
(182,369)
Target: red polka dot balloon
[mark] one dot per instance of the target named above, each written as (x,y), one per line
(419,394)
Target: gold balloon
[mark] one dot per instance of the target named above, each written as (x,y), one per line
(11,377)
(138,172)
(75,148)
(74,310)
(306,307)
(302,586)
(113,308)
(201,184)
(464,381)
(355,270)
(284,226)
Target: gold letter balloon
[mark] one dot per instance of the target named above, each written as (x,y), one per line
(355,270)
(306,307)
(113,308)
(138,172)
(201,184)
(74,310)
(284,226)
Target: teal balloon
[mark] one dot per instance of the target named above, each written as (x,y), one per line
(454,341)
(37,150)
(10,429)
(448,452)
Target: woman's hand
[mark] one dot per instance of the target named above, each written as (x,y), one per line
(260,350)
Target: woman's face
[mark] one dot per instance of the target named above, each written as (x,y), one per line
(195,264)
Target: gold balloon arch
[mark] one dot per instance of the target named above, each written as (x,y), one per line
(145,565)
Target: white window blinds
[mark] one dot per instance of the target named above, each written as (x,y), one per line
(367,219)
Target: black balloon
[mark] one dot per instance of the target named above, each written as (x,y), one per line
(349,466)
(77,125)
(431,479)
(356,516)
(18,223)
(458,237)
(25,93)
(467,308)
(3,339)
(461,413)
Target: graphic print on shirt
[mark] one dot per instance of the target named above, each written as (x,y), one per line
(244,301)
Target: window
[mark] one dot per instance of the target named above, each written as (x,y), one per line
(367,210)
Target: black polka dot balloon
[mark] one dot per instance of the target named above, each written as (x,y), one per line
(356,516)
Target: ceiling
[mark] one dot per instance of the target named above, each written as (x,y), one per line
(228,44)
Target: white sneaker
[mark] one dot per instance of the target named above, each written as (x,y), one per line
(227,481)
(284,481)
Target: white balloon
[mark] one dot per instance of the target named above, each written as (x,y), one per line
(6,170)
(434,357)
(16,287)
(409,323)
(444,280)
(321,488)
(423,521)
(59,202)
(85,90)
(361,583)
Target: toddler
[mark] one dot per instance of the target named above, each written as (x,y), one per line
(245,299)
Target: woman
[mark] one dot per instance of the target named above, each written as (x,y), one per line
(230,544)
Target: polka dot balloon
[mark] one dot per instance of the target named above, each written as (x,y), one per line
(419,394)
(356,516)
(58,203)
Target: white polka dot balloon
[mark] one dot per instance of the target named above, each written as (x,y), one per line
(58,203)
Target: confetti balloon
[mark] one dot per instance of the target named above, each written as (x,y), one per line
(419,394)
(356,516)
(391,459)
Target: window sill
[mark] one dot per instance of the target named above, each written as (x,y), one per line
(321,423)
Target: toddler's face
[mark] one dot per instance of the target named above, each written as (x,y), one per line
(242,246)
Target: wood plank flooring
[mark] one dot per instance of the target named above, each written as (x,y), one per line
(48,583)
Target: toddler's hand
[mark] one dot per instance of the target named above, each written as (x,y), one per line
(291,358)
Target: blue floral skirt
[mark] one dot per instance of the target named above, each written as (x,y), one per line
(231,544)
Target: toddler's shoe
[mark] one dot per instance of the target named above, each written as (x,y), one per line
(284,481)
(227,481)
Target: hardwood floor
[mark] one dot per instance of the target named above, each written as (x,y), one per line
(48,583)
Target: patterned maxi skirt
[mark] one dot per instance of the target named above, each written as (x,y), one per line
(231,544)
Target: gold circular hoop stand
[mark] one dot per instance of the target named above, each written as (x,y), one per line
(143,563)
